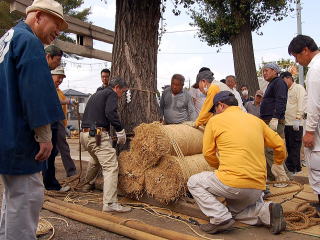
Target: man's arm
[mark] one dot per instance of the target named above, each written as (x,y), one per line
(204,114)
(209,147)
(191,109)
(43,136)
(111,111)
(281,95)
(301,97)
(274,141)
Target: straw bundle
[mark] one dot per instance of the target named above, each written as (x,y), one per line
(131,176)
(167,181)
(149,144)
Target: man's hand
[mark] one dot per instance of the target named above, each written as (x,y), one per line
(44,152)
(308,139)
(273,124)
(191,124)
(121,137)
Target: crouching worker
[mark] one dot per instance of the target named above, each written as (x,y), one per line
(99,114)
(241,169)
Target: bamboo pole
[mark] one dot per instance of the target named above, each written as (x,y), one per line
(161,232)
(100,222)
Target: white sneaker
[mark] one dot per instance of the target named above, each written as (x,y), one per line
(65,189)
(116,207)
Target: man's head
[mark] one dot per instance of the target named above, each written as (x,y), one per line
(45,17)
(244,90)
(270,71)
(231,81)
(287,77)
(177,82)
(258,97)
(222,100)
(204,80)
(204,69)
(53,56)
(58,76)
(105,75)
(118,85)
(303,48)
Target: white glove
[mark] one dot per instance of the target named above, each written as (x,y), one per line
(273,124)
(121,137)
(296,125)
(280,174)
(190,124)
(73,101)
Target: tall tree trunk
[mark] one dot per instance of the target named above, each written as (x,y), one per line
(134,57)
(243,59)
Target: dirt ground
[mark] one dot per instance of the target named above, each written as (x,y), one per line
(79,231)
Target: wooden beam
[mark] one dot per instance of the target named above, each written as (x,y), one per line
(75,25)
(83,50)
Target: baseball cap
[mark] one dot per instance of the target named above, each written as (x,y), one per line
(49,6)
(259,93)
(219,97)
(58,71)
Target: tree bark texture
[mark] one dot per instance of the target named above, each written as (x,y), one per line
(243,59)
(134,57)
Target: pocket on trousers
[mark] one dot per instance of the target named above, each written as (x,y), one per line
(314,161)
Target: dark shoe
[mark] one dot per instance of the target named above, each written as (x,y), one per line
(87,187)
(277,221)
(213,228)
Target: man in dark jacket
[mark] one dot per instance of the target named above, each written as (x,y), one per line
(273,107)
(99,114)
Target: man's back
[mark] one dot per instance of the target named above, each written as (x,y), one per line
(239,139)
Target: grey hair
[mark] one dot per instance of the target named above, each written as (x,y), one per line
(205,75)
(118,81)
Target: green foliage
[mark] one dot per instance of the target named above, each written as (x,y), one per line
(7,19)
(284,64)
(219,20)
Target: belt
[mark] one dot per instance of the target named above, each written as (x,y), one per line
(102,129)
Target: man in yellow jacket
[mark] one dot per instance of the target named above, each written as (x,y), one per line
(234,143)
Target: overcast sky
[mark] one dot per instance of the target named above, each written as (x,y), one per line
(181,51)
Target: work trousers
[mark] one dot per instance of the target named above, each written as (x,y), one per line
(49,172)
(313,164)
(21,205)
(103,156)
(269,153)
(243,204)
(63,147)
(293,144)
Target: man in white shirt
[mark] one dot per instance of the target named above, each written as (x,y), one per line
(306,53)
(293,122)
(231,83)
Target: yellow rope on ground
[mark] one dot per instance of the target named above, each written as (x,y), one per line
(44,226)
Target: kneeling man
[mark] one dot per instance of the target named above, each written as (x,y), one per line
(234,143)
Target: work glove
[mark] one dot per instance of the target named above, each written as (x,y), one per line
(280,175)
(121,137)
(273,124)
(190,124)
(296,125)
(73,101)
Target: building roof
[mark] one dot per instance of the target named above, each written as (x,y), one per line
(72,92)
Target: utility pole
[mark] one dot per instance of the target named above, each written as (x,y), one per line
(299,31)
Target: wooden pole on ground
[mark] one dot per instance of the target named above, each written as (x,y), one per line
(161,232)
(100,222)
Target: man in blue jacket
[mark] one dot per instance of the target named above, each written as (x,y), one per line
(29,104)
(273,108)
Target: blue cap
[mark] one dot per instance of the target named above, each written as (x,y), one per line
(273,66)
(220,97)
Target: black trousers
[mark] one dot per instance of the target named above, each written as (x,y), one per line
(293,144)
(49,172)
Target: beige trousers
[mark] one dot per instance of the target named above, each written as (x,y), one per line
(103,156)
(243,204)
